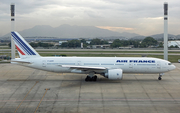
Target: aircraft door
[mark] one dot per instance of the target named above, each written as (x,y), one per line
(79,63)
(44,63)
(130,65)
(158,65)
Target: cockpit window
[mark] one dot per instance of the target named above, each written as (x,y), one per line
(169,63)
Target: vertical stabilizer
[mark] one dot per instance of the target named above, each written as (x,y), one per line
(24,49)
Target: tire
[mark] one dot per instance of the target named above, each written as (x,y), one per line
(94,78)
(159,78)
(87,79)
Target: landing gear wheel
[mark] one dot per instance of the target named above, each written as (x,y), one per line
(159,78)
(94,78)
(88,78)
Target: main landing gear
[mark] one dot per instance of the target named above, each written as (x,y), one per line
(88,78)
(160,76)
(91,77)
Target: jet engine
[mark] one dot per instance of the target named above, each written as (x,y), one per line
(114,74)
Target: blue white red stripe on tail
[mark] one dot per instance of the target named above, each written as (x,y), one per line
(22,53)
(21,45)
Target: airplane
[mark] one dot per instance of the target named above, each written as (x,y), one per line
(109,67)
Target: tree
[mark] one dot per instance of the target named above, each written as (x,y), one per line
(124,43)
(135,43)
(64,44)
(33,44)
(71,43)
(74,43)
(98,42)
(9,44)
(161,44)
(83,41)
(173,46)
(95,41)
(40,44)
(176,46)
(116,43)
(148,41)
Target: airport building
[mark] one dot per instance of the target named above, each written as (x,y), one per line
(60,42)
(174,43)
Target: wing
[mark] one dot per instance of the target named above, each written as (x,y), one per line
(22,62)
(84,68)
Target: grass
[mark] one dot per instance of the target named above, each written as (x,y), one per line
(2,62)
(172,58)
(5,48)
(103,51)
(110,51)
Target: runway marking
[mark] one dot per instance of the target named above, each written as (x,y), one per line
(25,97)
(84,100)
(17,80)
(138,74)
(60,74)
(41,99)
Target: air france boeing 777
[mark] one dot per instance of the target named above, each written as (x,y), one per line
(109,67)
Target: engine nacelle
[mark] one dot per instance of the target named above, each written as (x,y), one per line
(114,74)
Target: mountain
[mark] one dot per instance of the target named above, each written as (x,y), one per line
(178,36)
(138,38)
(161,36)
(129,35)
(156,37)
(67,31)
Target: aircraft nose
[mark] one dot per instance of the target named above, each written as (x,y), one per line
(173,67)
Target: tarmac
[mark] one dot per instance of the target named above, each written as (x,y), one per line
(27,90)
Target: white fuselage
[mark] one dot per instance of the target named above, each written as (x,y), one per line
(127,64)
(109,67)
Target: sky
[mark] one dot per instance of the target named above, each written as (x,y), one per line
(144,17)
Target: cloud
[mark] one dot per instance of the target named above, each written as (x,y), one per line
(117,29)
(156,18)
(143,17)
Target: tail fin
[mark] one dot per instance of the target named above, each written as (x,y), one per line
(24,49)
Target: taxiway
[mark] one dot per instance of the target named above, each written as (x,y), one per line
(26,90)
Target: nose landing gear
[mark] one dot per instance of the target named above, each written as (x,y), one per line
(160,76)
